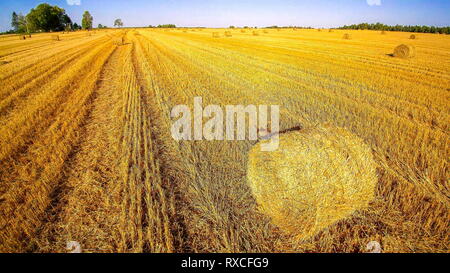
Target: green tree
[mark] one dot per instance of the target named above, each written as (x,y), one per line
(87,21)
(15,21)
(47,18)
(118,23)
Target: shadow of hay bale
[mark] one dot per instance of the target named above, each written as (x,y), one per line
(317,177)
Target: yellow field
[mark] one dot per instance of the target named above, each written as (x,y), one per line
(86,153)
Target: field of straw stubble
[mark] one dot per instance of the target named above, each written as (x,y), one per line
(86,153)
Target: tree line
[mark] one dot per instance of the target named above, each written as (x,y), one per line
(47,18)
(380,26)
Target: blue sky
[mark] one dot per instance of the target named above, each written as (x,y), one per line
(223,13)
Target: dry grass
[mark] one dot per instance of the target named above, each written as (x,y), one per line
(255,33)
(347,36)
(215,35)
(86,153)
(228,34)
(55,37)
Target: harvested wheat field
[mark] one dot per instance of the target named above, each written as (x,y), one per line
(86,152)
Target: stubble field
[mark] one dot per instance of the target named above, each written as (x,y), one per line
(86,152)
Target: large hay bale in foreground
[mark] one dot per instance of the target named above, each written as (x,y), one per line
(317,177)
(405,51)
(347,36)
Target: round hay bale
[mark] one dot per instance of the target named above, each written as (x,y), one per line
(255,33)
(412,37)
(347,36)
(405,51)
(228,34)
(118,41)
(383,32)
(216,35)
(22,37)
(317,177)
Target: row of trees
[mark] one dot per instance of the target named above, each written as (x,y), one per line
(46,18)
(380,26)
(164,26)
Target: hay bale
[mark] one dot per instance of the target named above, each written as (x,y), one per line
(255,33)
(55,37)
(347,36)
(330,30)
(317,177)
(319,30)
(22,37)
(383,32)
(119,41)
(405,51)
(216,35)
(266,31)
(228,34)
(242,30)
(412,37)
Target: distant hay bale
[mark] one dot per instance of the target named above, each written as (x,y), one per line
(330,30)
(55,37)
(216,35)
(242,30)
(405,51)
(118,41)
(347,36)
(266,31)
(228,34)
(319,30)
(185,31)
(412,37)
(317,177)
(294,29)
(22,37)
(383,32)
(255,33)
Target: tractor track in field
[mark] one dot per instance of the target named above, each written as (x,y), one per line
(82,207)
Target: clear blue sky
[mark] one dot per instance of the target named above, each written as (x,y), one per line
(223,13)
